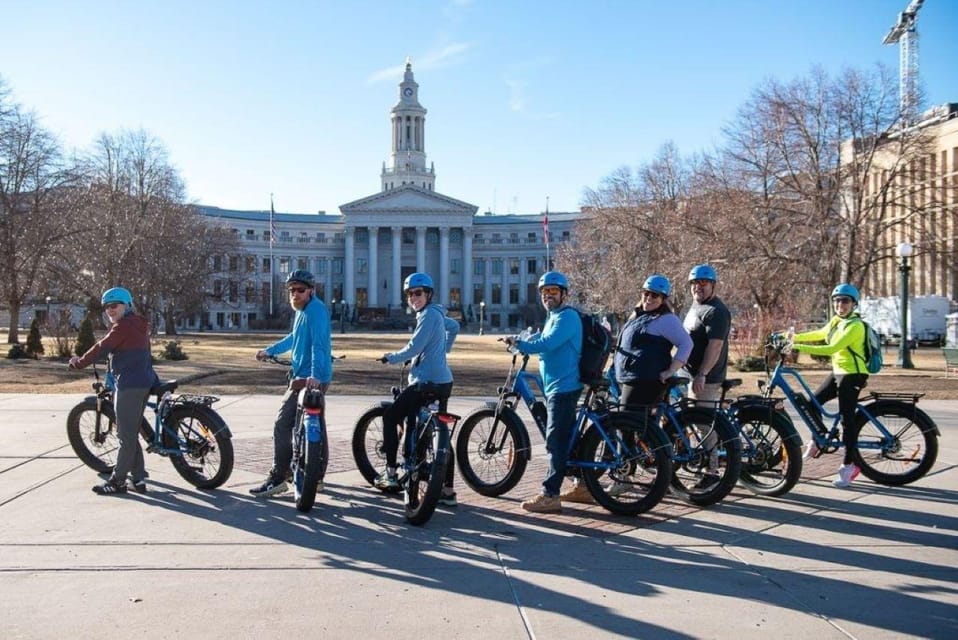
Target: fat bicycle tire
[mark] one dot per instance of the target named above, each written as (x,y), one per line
(491,466)
(205,457)
(307,476)
(81,432)
(368,452)
(689,474)
(912,451)
(771,452)
(642,479)
(424,481)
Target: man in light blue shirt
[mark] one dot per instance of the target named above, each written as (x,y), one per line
(559,346)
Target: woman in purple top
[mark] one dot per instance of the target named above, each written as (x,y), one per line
(644,358)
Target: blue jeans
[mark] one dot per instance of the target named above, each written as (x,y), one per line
(559,426)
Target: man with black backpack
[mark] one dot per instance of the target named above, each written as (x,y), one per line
(559,346)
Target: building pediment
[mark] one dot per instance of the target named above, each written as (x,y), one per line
(395,205)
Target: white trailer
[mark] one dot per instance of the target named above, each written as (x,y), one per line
(926,317)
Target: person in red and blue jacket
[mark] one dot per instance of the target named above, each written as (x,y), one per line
(128,345)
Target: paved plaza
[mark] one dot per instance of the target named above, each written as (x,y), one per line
(820,562)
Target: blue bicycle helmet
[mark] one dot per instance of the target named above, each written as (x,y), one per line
(414,280)
(658,284)
(303,277)
(554,278)
(703,272)
(116,294)
(845,289)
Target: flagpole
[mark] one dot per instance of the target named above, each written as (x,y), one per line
(272,239)
(545,227)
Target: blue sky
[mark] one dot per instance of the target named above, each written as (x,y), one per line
(526,99)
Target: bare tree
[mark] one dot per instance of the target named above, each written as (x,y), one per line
(34,205)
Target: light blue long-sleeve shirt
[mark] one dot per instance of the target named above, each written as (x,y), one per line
(309,342)
(559,346)
(428,346)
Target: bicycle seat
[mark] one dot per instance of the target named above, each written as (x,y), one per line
(731,383)
(163,387)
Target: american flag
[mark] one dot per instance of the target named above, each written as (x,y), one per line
(545,225)
(272,224)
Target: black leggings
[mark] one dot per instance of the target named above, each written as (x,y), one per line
(407,405)
(641,393)
(846,388)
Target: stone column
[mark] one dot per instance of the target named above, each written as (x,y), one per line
(466,267)
(420,249)
(395,284)
(349,267)
(444,266)
(373,264)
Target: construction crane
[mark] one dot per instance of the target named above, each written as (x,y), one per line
(905,35)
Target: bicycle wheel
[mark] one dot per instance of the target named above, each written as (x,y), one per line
(641,478)
(771,451)
(707,462)
(424,481)
(902,457)
(492,453)
(309,468)
(97,450)
(205,457)
(368,443)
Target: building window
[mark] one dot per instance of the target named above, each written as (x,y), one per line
(432,237)
(362,236)
(250,264)
(217,263)
(513,294)
(250,235)
(497,267)
(477,295)
(532,266)
(455,236)
(303,237)
(513,266)
(284,236)
(496,294)
(408,236)
(337,265)
(478,267)
(302,263)
(284,265)
(455,265)
(321,266)
(361,265)
(265,265)
(531,238)
(250,294)
(455,297)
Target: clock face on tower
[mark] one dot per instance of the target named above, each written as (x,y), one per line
(407,91)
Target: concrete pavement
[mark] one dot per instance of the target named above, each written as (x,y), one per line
(866,562)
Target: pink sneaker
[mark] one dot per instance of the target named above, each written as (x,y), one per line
(811,450)
(846,474)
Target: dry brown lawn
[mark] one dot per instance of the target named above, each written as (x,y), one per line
(224,364)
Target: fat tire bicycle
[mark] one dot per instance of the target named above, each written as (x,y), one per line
(625,464)
(425,450)
(310,440)
(895,442)
(185,429)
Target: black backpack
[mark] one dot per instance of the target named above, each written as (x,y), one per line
(596,346)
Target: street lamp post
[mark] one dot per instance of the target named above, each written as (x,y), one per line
(904,356)
(48,310)
(482,313)
(342,317)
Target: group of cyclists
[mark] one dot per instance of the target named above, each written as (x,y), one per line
(652,346)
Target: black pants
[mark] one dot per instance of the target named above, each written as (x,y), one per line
(846,388)
(641,393)
(407,405)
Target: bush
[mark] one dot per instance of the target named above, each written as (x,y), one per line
(34,343)
(17,352)
(86,338)
(173,351)
(750,363)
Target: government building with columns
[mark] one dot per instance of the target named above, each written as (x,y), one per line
(485,267)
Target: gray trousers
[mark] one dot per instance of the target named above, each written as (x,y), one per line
(129,405)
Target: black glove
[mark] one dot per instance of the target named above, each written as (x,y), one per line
(384,360)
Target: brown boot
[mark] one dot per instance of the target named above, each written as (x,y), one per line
(543,504)
(578,493)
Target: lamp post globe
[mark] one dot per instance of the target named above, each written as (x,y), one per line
(904,251)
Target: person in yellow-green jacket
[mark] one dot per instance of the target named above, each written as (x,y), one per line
(844,341)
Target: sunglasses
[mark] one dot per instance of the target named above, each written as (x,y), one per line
(842,300)
(299,290)
(550,291)
(113,305)
(699,282)
(652,294)
(415,293)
